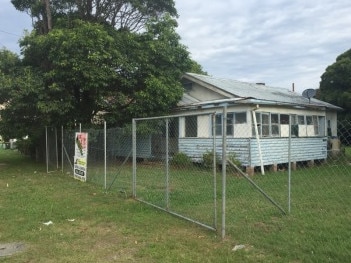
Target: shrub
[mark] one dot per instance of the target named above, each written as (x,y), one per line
(181,160)
(207,159)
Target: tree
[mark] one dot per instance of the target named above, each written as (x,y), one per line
(20,89)
(130,15)
(111,59)
(91,68)
(335,84)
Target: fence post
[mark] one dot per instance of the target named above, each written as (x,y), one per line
(167,166)
(46,148)
(289,167)
(213,121)
(105,154)
(224,167)
(62,148)
(134,157)
(56,150)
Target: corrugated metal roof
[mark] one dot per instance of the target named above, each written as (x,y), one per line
(258,92)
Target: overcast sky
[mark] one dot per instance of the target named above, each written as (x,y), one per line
(277,42)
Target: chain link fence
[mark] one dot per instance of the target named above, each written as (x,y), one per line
(52,150)
(169,174)
(176,164)
(108,158)
(266,172)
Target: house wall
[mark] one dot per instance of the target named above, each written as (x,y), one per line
(204,94)
(123,146)
(274,150)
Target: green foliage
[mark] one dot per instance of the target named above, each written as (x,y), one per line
(232,156)
(89,68)
(181,160)
(335,85)
(95,63)
(207,159)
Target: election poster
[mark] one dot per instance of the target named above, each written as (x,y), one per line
(81,156)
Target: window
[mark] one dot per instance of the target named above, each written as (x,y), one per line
(219,119)
(265,125)
(191,126)
(218,124)
(309,120)
(301,120)
(275,124)
(240,117)
(284,119)
(232,119)
(258,120)
(316,125)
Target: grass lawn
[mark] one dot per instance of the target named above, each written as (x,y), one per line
(91,225)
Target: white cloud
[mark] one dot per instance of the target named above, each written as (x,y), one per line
(272,41)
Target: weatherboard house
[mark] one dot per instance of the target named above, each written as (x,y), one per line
(261,121)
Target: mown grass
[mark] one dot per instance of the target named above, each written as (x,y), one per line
(110,227)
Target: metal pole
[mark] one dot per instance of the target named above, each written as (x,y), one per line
(56,144)
(224,167)
(134,157)
(62,148)
(213,120)
(289,167)
(105,155)
(167,166)
(47,150)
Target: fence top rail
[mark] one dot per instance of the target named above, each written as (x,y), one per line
(174,116)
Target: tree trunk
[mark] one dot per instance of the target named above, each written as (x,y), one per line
(48,15)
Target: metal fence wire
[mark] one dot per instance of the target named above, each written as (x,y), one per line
(108,160)
(168,178)
(51,151)
(220,171)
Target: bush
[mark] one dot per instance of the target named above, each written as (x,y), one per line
(233,158)
(181,160)
(207,159)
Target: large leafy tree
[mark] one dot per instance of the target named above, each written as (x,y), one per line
(89,69)
(111,59)
(19,91)
(132,15)
(335,84)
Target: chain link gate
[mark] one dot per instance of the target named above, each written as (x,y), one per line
(172,176)
(175,164)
